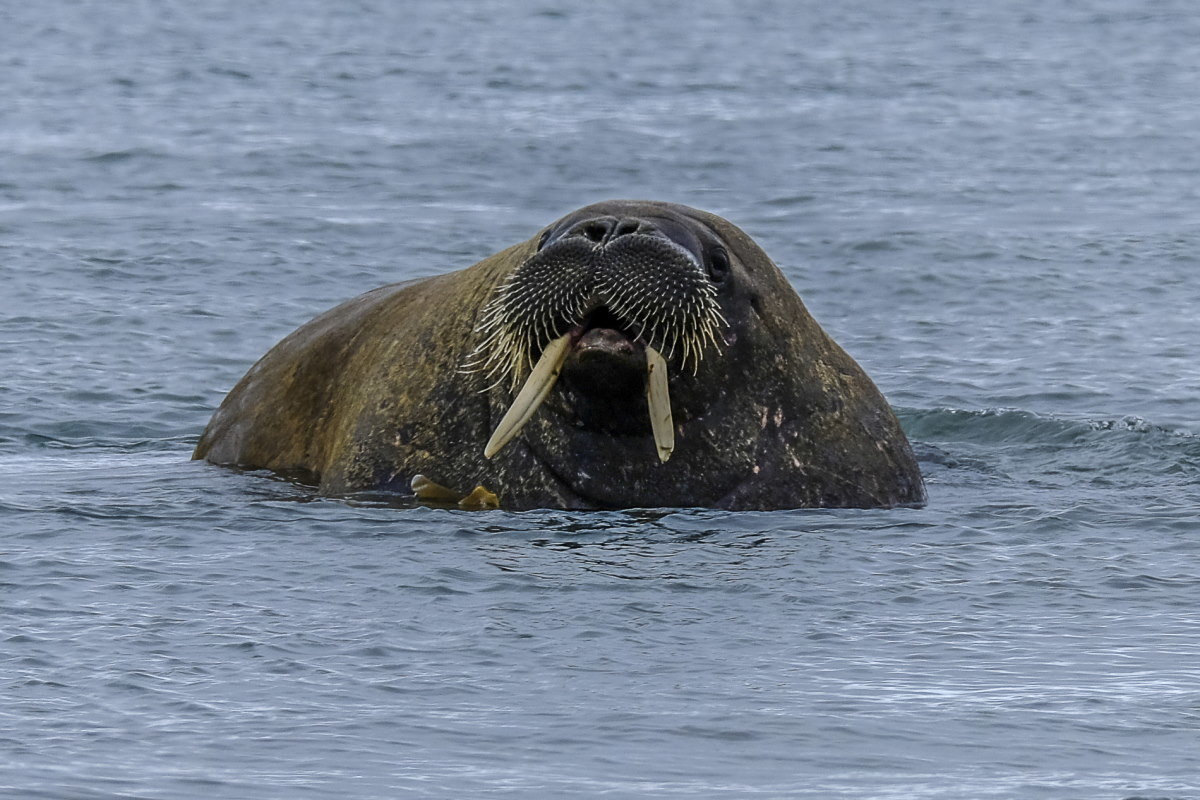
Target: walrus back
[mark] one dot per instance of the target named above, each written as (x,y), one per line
(292,410)
(277,416)
(378,361)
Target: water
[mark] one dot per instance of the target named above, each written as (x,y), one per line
(991,206)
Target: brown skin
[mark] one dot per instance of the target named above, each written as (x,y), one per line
(373,392)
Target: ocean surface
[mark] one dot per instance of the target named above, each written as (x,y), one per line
(994,207)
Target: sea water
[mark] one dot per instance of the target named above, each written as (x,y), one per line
(992,206)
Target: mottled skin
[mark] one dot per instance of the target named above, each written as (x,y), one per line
(373,392)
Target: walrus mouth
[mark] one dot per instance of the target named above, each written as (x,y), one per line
(652,290)
(545,374)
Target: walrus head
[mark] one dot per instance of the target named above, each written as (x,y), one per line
(637,353)
(611,299)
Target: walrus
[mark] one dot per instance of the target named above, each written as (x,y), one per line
(631,355)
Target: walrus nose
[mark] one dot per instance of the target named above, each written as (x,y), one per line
(602,230)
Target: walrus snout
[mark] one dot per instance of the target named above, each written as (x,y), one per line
(650,278)
(648,283)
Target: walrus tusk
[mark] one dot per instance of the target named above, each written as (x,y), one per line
(541,381)
(658,397)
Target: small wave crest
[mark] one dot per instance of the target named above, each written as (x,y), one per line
(1113,453)
(1012,425)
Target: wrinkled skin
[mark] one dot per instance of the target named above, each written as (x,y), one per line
(373,392)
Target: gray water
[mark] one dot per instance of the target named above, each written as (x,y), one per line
(992,206)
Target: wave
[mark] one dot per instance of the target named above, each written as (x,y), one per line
(1009,425)
(1117,453)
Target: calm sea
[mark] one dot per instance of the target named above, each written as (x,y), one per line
(995,207)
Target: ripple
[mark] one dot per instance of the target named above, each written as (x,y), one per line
(1001,241)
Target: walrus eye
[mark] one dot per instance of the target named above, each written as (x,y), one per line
(718,266)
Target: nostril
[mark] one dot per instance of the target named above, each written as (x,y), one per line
(596,230)
(626,227)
